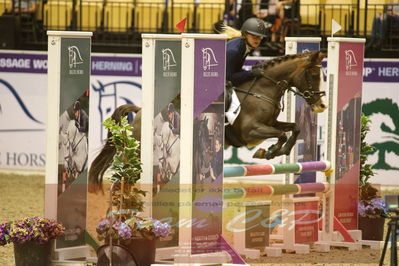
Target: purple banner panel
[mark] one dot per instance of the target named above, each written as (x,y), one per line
(381,71)
(209,77)
(100,65)
(23,63)
(116,66)
(209,82)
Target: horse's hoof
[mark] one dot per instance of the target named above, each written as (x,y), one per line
(259,154)
(269,155)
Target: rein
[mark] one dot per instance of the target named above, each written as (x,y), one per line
(284,86)
(73,146)
(167,142)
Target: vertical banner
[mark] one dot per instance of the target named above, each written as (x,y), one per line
(305,149)
(347,166)
(166,147)
(208,114)
(67,134)
(73,149)
(344,80)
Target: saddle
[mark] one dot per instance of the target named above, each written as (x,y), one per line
(230,133)
(227,95)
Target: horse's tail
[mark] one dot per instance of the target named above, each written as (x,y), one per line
(104,159)
(124,110)
(230,32)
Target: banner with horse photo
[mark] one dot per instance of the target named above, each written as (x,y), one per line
(73,139)
(166,139)
(350,81)
(208,132)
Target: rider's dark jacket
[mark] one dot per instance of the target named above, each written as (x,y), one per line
(82,123)
(235,58)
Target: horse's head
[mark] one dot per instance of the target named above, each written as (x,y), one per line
(306,78)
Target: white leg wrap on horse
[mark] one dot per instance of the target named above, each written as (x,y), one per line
(234,109)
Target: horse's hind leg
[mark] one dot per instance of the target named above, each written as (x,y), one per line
(265,132)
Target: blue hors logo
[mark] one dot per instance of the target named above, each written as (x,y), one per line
(22,106)
(306,50)
(208,59)
(168,59)
(110,96)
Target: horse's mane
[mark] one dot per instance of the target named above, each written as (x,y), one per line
(280,59)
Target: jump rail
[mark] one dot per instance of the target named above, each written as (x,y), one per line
(268,190)
(269,169)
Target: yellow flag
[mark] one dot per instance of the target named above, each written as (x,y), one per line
(335,27)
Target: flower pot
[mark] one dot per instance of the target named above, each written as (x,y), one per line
(143,250)
(372,228)
(32,253)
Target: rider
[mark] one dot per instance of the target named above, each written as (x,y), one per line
(81,118)
(174,119)
(252,32)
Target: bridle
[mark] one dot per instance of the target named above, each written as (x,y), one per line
(284,86)
(168,148)
(72,148)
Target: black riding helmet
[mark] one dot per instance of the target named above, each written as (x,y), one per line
(254,26)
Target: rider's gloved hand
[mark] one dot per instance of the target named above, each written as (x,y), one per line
(257,72)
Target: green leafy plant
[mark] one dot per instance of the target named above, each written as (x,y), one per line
(370,203)
(127,198)
(125,167)
(366,171)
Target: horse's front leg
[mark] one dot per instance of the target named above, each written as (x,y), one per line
(263,132)
(286,127)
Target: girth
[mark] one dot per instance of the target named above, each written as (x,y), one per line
(260,96)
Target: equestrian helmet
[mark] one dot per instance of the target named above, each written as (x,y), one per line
(76,106)
(171,108)
(254,26)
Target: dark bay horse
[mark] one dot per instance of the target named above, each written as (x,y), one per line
(260,106)
(261,102)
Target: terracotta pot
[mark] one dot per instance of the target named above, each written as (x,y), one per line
(372,228)
(143,250)
(32,253)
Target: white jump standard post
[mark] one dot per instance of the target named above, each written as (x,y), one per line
(161,74)
(68,79)
(202,109)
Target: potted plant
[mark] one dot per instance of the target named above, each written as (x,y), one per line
(123,225)
(371,207)
(31,238)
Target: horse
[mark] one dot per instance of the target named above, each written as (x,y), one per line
(203,150)
(260,106)
(159,122)
(260,102)
(76,152)
(170,147)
